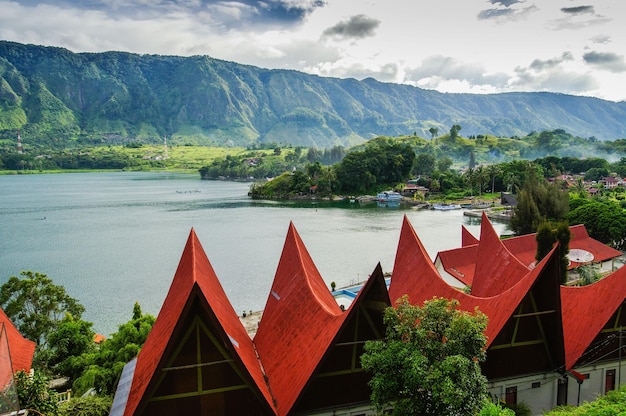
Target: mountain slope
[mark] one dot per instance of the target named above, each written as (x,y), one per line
(57,97)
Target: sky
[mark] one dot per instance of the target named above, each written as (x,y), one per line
(573,47)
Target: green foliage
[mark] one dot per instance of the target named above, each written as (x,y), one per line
(72,339)
(34,394)
(536,202)
(86,406)
(495,409)
(104,367)
(588,275)
(382,163)
(36,305)
(428,362)
(545,240)
(613,403)
(604,220)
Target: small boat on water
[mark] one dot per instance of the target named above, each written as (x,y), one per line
(446,207)
(388,196)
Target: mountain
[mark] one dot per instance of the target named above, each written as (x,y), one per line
(59,98)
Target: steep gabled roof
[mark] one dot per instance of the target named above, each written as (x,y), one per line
(21,349)
(340,368)
(299,322)
(496,268)
(467,238)
(196,312)
(587,309)
(415,276)
(460,263)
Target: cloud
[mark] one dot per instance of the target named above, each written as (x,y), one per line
(345,68)
(606,60)
(578,10)
(540,65)
(554,79)
(602,39)
(359,27)
(439,69)
(579,17)
(506,10)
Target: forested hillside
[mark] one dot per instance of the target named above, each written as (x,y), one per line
(58,98)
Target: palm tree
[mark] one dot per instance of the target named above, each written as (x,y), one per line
(493,171)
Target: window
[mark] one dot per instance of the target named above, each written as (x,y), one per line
(561,392)
(511,395)
(609,381)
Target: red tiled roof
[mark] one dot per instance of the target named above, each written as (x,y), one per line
(586,309)
(524,247)
(460,263)
(194,277)
(467,239)
(300,320)
(415,275)
(496,268)
(20,348)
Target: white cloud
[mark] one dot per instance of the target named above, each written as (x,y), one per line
(468,46)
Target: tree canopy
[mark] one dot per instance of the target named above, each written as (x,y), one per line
(36,305)
(429,360)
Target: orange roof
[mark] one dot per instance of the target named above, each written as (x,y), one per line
(415,275)
(586,309)
(496,268)
(467,239)
(195,283)
(20,348)
(300,320)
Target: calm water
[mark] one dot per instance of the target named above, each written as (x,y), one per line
(115,238)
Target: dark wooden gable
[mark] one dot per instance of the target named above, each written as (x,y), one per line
(532,339)
(201,372)
(340,380)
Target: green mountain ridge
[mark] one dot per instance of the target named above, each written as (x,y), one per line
(60,98)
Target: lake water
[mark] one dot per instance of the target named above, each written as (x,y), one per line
(115,238)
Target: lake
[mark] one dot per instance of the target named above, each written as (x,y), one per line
(115,238)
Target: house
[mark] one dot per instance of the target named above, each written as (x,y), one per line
(198,358)
(547,344)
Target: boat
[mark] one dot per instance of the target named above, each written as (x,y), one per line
(388,196)
(446,207)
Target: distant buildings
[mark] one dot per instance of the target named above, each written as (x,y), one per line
(547,344)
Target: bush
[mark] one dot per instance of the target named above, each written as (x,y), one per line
(86,406)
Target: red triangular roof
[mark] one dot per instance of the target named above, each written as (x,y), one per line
(586,309)
(195,280)
(496,268)
(467,238)
(21,349)
(415,276)
(299,322)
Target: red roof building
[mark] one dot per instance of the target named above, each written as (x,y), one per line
(198,358)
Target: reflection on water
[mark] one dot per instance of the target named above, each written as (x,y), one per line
(115,238)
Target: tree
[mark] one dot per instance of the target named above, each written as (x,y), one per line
(545,240)
(433,132)
(36,305)
(34,393)
(72,339)
(428,362)
(424,164)
(104,367)
(444,164)
(86,406)
(454,131)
